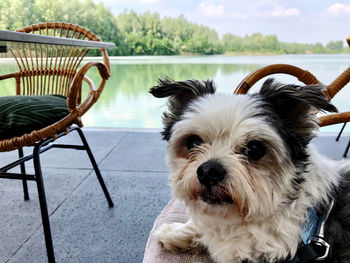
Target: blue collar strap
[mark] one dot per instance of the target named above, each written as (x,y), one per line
(314,245)
(311,227)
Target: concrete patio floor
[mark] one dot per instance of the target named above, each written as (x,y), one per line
(84,229)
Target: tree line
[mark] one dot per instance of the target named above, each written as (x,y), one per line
(148,33)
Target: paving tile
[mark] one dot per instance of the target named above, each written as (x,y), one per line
(139,151)
(327,146)
(19,218)
(86,230)
(101,143)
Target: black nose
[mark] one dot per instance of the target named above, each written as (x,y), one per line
(210,173)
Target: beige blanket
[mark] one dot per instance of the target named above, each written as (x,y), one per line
(175,211)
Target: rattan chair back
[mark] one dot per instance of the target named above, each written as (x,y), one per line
(45,70)
(50,70)
(307,78)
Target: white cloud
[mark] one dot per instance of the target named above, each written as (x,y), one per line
(339,9)
(280,11)
(261,11)
(211,10)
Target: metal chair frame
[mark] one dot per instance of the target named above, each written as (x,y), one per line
(338,137)
(41,147)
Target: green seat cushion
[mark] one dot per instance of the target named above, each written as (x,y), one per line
(22,114)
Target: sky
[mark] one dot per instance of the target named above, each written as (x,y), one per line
(302,21)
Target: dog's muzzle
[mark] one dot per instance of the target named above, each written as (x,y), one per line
(211,173)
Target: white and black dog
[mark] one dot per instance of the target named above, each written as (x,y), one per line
(247,174)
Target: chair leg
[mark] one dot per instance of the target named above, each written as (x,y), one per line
(346,150)
(23,171)
(43,205)
(341,131)
(97,170)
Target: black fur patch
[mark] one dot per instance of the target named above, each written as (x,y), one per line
(338,227)
(298,180)
(180,94)
(289,109)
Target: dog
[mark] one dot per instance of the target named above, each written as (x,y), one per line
(247,173)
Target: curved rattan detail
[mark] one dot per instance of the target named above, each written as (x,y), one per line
(302,75)
(307,78)
(60,29)
(339,83)
(334,118)
(55,71)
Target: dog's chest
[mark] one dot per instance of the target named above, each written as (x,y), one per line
(252,242)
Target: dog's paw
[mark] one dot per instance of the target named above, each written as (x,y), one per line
(179,238)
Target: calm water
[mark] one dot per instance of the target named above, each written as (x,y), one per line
(126,103)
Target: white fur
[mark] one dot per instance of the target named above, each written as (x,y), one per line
(258,224)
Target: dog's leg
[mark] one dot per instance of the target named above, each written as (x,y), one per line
(178,237)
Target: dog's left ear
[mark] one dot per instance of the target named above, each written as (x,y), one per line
(293,100)
(296,108)
(180,94)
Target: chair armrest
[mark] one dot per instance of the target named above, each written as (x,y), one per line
(16,76)
(303,75)
(334,118)
(339,83)
(7,76)
(76,86)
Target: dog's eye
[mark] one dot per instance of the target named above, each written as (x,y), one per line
(193,141)
(254,150)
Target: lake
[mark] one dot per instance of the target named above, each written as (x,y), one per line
(126,103)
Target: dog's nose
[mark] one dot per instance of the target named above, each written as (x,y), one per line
(210,173)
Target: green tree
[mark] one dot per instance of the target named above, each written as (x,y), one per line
(336,46)
(130,23)
(151,25)
(232,43)
(15,14)
(318,48)
(177,29)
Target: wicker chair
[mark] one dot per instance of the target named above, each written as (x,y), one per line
(45,70)
(308,79)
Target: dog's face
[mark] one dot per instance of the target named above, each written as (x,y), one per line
(238,157)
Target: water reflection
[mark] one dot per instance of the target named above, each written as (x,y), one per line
(7,86)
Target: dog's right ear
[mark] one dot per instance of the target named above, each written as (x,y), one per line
(180,94)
